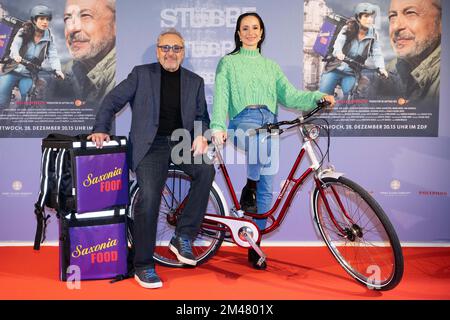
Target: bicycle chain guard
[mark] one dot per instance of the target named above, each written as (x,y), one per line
(237,227)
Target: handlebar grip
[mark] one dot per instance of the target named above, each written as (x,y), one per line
(269,127)
(254,132)
(322,103)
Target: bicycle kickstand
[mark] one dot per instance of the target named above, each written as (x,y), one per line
(262,255)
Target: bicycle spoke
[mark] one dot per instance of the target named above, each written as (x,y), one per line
(332,228)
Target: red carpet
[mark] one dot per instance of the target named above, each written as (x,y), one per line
(293,273)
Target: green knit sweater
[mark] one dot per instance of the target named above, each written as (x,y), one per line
(247,78)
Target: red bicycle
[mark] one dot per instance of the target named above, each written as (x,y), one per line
(350,221)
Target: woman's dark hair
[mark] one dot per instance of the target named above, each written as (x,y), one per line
(353,24)
(237,41)
(352,29)
(28,31)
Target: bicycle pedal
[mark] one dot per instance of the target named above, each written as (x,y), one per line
(261,260)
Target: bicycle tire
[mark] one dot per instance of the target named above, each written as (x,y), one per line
(207,242)
(369,250)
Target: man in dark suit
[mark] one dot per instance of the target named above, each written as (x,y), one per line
(163,97)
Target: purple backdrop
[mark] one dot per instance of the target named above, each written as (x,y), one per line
(408,176)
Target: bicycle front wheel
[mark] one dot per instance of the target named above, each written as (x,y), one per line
(358,233)
(173,199)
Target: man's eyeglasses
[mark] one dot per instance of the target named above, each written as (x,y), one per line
(175,48)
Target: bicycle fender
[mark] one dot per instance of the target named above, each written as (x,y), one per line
(329,173)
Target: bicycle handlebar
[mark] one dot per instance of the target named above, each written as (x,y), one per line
(34,68)
(356,65)
(321,104)
(30,64)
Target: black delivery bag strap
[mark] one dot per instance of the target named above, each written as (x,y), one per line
(52,161)
(52,165)
(39,211)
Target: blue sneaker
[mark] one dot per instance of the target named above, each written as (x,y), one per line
(148,278)
(183,250)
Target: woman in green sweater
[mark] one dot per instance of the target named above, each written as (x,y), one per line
(247,89)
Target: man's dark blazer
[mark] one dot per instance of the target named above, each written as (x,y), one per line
(142,89)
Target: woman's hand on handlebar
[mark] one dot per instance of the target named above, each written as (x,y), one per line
(59,74)
(98,138)
(384,73)
(340,56)
(330,99)
(219,137)
(18,59)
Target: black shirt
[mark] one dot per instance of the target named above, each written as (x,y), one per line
(170,110)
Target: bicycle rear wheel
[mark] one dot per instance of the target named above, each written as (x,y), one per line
(173,197)
(358,233)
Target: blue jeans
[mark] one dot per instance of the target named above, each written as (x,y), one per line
(262,154)
(330,80)
(7,83)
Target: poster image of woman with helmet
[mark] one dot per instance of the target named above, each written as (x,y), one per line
(34,42)
(356,42)
(71,45)
(381,60)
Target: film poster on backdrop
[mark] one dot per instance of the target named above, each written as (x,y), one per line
(387,83)
(78,41)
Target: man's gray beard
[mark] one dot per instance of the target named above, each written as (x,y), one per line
(95,51)
(421,48)
(424,48)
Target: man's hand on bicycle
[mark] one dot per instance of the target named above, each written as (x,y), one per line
(219,137)
(98,138)
(199,146)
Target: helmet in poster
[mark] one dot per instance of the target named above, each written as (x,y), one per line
(366,8)
(40,11)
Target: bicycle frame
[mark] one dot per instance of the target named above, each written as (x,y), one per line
(358,68)
(34,70)
(307,149)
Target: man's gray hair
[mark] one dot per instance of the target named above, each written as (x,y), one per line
(437,4)
(111,4)
(170,31)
